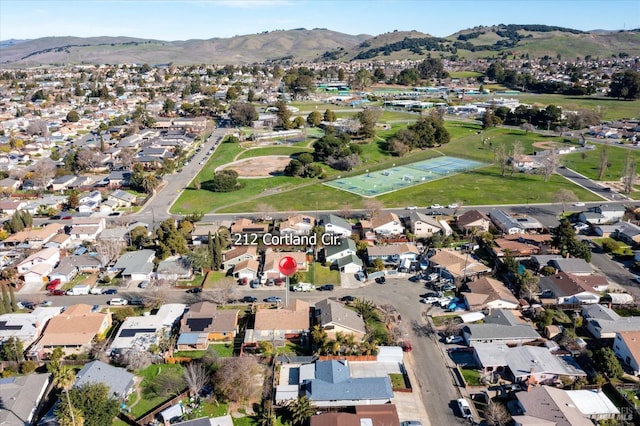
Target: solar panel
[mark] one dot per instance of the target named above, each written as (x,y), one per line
(131,332)
(4,326)
(199,324)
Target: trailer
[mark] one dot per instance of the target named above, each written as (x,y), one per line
(79,290)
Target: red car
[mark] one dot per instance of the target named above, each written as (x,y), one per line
(406,346)
(58,293)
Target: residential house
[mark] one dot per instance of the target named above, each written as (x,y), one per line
(500,326)
(517,249)
(122,198)
(573,266)
(299,224)
(336,225)
(329,384)
(34,238)
(272,259)
(92,197)
(489,293)
(86,228)
(549,405)
(238,254)
(626,346)
(349,264)
(203,324)
(335,318)
(26,327)
(536,364)
(74,329)
(457,265)
(289,323)
(387,224)
(140,333)
(248,269)
(46,259)
(628,233)
(603,214)
(136,265)
(62,183)
(514,224)
(370,415)
(247,226)
(10,207)
(201,231)
(345,247)
(174,268)
(118,179)
(393,254)
(9,185)
(423,226)
(565,288)
(539,261)
(603,322)
(21,397)
(119,381)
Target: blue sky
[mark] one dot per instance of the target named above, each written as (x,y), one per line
(203,19)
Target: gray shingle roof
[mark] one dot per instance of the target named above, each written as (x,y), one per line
(335,313)
(117,379)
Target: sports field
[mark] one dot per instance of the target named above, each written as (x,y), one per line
(400,177)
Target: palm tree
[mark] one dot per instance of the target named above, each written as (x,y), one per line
(301,409)
(319,338)
(64,378)
(149,183)
(266,416)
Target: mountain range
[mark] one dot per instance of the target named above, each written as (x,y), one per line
(320,44)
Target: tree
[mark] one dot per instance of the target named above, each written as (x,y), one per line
(314,118)
(169,106)
(605,361)
(362,79)
(629,174)
(94,403)
(496,414)
(73,200)
(564,196)
(196,377)
(243,114)
(625,85)
(330,116)
(64,378)
(517,151)
(489,119)
(73,116)
(501,157)
(284,115)
(431,68)
(199,258)
(234,377)
(527,127)
(373,207)
(604,161)
(528,284)
(550,164)
(368,119)
(225,181)
(12,350)
(301,409)
(149,183)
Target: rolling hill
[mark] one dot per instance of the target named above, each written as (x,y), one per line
(323,45)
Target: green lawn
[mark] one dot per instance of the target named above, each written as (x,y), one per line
(319,275)
(472,377)
(588,163)
(464,74)
(147,403)
(397,381)
(274,150)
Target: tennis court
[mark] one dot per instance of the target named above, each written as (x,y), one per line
(401,177)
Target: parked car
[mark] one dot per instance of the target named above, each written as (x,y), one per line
(411,423)
(453,206)
(454,339)
(326,287)
(435,206)
(110,291)
(195,290)
(428,300)
(25,305)
(273,299)
(58,293)
(249,299)
(579,204)
(347,299)
(406,346)
(144,284)
(465,409)
(381,280)
(118,301)
(46,303)
(411,208)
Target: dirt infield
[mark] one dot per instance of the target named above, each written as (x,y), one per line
(549,145)
(258,167)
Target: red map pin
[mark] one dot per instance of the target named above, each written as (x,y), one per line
(288,266)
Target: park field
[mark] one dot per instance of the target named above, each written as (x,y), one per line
(484,186)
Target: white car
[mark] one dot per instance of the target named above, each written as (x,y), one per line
(453,339)
(435,206)
(465,409)
(579,204)
(118,301)
(46,303)
(411,208)
(428,300)
(453,206)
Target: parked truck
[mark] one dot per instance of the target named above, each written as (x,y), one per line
(54,285)
(303,287)
(79,290)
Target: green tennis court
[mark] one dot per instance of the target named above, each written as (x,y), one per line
(400,177)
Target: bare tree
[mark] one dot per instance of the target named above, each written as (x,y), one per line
(517,151)
(234,378)
(629,173)
(196,377)
(157,293)
(89,159)
(126,158)
(564,196)
(135,360)
(224,291)
(346,211)
(38,127)
(501,157)
(373,207)
(604,161)
(44,172)
(109,249)
(496,414)
(265,210)
(550,164)
(527,127)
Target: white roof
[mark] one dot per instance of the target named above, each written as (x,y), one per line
(592,402)
(472,317)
